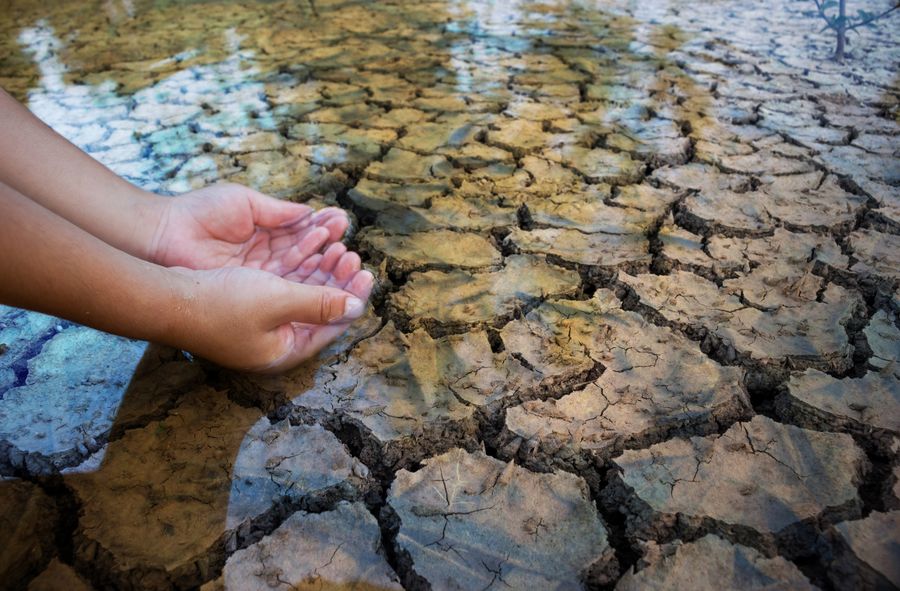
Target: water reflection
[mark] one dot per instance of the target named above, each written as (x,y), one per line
(158,138)
(455,125)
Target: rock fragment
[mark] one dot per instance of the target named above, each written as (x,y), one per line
(645,197)
(598,165)
(712,563)
(811,202)
(518,136)
(585,210)
(401,166)
(725,212)
(469,521)
(760,483)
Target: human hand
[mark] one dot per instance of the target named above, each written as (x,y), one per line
(231,225)
(253,320)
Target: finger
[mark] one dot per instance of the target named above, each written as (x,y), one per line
(329,212)
(331,256)
(336,226)
(308,246)
(308,341)
(315,305)
(361,285)
(345,269)
(269,212)
(306,268)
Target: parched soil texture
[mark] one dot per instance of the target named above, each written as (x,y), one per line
(635,323)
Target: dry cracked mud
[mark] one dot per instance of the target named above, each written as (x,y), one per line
(636,321)
(713,563)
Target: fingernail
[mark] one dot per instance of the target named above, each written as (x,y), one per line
(353,308)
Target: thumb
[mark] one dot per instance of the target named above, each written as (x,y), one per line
(315,304)
(269,212)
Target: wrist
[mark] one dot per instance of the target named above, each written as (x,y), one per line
(149,214)
(180,309)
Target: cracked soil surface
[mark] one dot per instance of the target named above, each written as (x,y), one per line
(636,320)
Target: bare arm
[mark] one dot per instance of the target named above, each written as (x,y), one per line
(46,167)
(238,317)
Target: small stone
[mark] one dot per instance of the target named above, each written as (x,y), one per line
(497,521)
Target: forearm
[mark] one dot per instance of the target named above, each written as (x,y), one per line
(49,265)
(38,162)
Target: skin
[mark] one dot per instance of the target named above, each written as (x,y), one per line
(245,280)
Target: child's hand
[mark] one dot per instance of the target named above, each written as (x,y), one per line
(256,321)
(234,226)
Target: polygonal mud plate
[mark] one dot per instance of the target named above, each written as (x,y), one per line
(469,521)
(761,483)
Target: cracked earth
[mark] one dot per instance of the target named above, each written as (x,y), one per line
(636,321)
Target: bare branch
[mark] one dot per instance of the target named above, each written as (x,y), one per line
(872,18)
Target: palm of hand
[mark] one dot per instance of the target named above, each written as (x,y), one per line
(338,268)
(234,226)
(230,226)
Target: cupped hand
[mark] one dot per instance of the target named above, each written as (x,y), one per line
(231,225)
(253,320)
